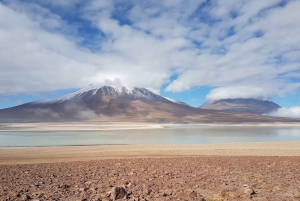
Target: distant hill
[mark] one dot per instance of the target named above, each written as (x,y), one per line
(252,106)
(107,103)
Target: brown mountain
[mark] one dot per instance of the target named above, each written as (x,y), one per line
(106,103)
(252,106)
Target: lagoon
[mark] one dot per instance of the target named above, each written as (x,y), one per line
(169,135)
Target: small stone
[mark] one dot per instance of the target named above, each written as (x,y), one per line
(167,192)
(118,193)
(248,190)
(25,197)
(130,173)
(88,182)
(193,194)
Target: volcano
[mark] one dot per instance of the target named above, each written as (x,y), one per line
(95,101)
(252,106)
(121,104)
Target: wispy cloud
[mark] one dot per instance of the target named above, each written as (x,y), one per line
(4,99)
(292,112)
(240,48)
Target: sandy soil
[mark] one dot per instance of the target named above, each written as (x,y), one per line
(27,155)
(240,171)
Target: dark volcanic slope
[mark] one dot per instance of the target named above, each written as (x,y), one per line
(252,106)
(105,103)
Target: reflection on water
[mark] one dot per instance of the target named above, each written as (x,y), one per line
(169,135)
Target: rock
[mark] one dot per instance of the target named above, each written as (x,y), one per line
(64,186)
(146,189)
(118,193)
(193,194)
(131,173)
(248,190)
(88,182)
(25,197)
(167,192)
(199,198)
(128,185)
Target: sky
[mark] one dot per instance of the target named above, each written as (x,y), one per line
(189,50)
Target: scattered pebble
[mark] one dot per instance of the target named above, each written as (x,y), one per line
(190,178)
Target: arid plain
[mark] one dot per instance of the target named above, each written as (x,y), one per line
(236,171)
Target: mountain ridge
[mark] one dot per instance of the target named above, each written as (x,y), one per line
(90,102)
(241,105)
(107,103)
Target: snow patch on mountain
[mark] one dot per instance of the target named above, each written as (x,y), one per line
(176,101)
(114,91)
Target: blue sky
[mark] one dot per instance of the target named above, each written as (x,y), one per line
(187,50)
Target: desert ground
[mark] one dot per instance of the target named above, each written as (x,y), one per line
(33,155)
(240,171)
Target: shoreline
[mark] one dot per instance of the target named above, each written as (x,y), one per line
(116,126)
(148,145)
(35,155)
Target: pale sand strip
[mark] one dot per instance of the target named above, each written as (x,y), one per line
(102,126)
(77,126)
(85,153)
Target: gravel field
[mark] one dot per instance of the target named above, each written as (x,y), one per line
(177,178)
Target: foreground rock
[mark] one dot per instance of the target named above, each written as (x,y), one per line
(194,178)
(118,193)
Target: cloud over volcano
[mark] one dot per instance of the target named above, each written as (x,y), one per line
(225,46)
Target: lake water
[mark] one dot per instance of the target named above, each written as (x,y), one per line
(171,135)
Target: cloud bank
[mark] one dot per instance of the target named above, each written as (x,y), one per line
(240,92)
(292,112)
(60,44)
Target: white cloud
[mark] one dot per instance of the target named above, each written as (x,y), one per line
(292,112)
(215,45)
(114,83)
(247,61)
(34,60)
(240,92)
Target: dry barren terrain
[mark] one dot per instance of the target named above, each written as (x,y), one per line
(242,171)
(184,178)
